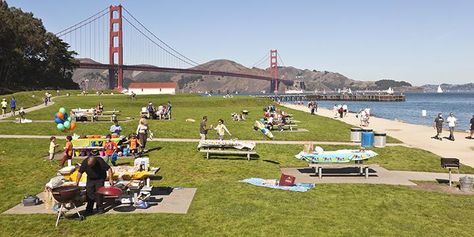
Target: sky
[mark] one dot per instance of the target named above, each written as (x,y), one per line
(422,41)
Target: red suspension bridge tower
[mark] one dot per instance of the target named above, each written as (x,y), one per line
(274,70)
(116,47)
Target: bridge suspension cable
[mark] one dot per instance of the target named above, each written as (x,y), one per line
(263,60)
(83,22)
(183,58)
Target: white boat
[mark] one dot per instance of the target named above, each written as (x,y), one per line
(294,92)
(439,89)
(389,91)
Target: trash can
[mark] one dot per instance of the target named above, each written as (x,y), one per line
(380,139)
(465,183)
(367,138)
(356,134)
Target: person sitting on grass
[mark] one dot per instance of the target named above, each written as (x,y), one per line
(221,129)
(115,129)
(67,151)
(110,148)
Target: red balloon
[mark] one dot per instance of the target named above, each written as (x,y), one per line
(65,130)
(60,115)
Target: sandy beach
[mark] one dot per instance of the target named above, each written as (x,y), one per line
(418,136)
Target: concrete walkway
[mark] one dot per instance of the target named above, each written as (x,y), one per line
(378,175)
(197,140)
(413,135)
(27,110)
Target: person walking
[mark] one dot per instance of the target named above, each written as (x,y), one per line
(13,105)
(451,120)
(4,107)
(471,123)
(203,129)
(169,110)
(438,126)
(67,151)
(142,131)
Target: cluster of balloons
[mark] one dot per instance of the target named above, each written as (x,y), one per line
(63,121)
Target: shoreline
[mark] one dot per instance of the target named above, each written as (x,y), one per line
(414,135)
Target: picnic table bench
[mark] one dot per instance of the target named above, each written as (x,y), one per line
(227,151)
(318,168)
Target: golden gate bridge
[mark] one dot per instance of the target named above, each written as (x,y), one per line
(101,37)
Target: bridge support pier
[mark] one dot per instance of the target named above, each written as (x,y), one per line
(115,47)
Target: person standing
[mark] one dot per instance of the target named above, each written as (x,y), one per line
(221,129)
(438,125)
(451,120)
(471,123)
(110,148)
(67,151)
(169,110)
(344,109)
(203,128)
(96,170)
(315,105)
(52,147)
(13,105)
(4,107)
(142,131)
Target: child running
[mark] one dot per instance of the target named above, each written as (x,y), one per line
(52,147)
(67,151)
(134,143)
(110,147)
(221,129)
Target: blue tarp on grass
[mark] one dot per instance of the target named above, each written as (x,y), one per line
(299,187)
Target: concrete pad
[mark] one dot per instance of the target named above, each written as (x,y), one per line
(172,200)
(377,175)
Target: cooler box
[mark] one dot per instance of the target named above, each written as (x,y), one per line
(380,139)
(356,134)
(145,161)
(287,180)
(367,139)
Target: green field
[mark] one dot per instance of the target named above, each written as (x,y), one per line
(184,107)
(222,206)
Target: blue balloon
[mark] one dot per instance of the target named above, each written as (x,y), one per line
(58,120)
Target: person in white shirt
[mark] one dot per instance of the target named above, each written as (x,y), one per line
(451,120)
(344,109)
(221,129)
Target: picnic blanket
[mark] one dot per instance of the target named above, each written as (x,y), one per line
(339,156)
(298,187)
(240,145)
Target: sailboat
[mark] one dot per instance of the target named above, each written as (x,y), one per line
(439,89)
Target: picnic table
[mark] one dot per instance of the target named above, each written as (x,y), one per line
(230,147)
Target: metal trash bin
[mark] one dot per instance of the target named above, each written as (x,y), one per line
(356,134)
(367,138)
(380,139)
(465,183)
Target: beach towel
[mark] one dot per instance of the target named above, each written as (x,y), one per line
(298,187)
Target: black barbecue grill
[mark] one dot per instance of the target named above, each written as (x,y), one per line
(450,163)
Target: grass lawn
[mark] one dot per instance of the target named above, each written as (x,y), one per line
(224,207)
(27,99)
(184,107)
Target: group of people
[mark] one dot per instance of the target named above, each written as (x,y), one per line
(273,117)
(313,106)
(364,117)
(451,121)
(4,105)
(220,128)
(340,110)
(161,112)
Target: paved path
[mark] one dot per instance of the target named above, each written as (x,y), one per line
(378,175)
(31,109)
(197,140)
(413,135)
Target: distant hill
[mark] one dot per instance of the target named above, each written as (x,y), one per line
(303,79)
(449,87)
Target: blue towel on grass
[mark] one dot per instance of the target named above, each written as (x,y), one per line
(298,187)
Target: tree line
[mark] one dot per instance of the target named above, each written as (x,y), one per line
(30,57)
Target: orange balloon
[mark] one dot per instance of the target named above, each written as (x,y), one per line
(60,115)
(73,126)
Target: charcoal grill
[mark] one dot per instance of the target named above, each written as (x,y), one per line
(67,198)
(450,163)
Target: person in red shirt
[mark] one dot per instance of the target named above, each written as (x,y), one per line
(134,143)
(67,151)
(110,148)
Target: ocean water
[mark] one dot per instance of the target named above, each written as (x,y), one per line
(410,111)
